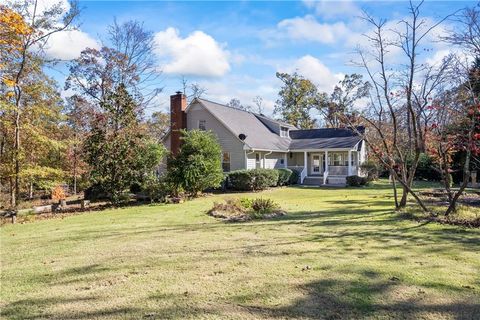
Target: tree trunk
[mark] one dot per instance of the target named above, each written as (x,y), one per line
(395,195)
(30,191)
(17,155)
(13,203)
(75,172)
(403,200)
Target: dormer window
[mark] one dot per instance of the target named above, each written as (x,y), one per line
(284,132)
(202,125)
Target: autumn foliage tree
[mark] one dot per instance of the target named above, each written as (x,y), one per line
(297,97)
(26,91)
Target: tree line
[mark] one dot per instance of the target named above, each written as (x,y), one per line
(98,137)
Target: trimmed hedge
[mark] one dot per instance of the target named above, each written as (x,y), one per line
(256,179)
(356,181)
(284,176)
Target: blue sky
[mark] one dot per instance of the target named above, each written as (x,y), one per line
(233,49)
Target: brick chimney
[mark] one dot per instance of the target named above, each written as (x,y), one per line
(178,120)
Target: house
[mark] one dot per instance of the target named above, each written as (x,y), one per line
(250,140)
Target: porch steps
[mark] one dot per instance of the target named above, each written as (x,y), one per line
(318,181)
(313,181)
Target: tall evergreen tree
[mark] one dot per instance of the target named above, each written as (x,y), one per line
(117,150)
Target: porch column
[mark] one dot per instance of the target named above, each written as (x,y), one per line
(305,162)
(326,160)
(349,162)
(285,161)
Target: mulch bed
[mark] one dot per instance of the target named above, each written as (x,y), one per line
(242,216)
(440,197)
(475,223)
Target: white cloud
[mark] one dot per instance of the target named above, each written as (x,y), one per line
(67,45)
(308,28)
(314,70)
(244,88)
(334,9)
(197,54)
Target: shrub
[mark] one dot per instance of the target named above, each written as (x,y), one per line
(155,189)
(256,179)
(58,193)
(95,192)
(240,180)
(356,181)
(264,178)
(264,206)
(197,166)
(283,176)
(426,169)
(136,188)
(372,169)
(246,203)
(294,177)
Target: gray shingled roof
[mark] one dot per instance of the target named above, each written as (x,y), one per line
(239,121)
(325,138)
(261,133)
(324,143)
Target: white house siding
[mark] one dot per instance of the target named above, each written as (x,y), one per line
(250,160)
(269,161)
(226,139)
(274,160)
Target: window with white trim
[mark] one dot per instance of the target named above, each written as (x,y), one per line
(338,159)
(202,125)
(284,132)
(226,161)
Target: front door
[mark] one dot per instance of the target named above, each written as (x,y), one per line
(316,164)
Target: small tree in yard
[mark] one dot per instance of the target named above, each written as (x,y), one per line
(198,164)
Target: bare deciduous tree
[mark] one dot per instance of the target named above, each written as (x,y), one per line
(400,93)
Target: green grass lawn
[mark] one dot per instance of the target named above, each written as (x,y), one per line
(338,254)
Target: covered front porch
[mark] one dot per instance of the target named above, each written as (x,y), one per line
(324,166)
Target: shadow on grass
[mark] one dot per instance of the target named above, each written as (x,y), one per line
(355,220)
(358,299)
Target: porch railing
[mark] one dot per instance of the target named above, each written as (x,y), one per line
(303,174)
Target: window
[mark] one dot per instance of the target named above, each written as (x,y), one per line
(338,159)
(284,132)
(202,125)
(226,161)
(282,161)
(257,157)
